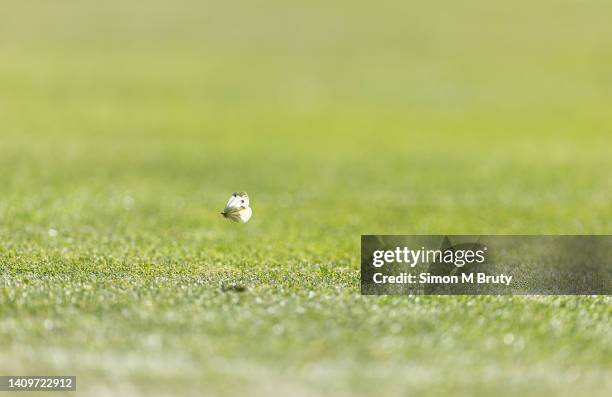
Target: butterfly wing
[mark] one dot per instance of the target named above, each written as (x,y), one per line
(245,215)
(238,200)
(242,199)
(231,203)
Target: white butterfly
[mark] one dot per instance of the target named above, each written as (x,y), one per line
(237,208)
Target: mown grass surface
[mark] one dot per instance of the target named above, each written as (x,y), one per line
(124,128)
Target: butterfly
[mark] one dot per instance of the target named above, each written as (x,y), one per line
(237,208)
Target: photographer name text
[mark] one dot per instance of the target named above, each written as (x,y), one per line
(428,278)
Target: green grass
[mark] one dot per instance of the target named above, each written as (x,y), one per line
(124,129)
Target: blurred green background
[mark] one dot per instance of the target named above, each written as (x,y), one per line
(126,125)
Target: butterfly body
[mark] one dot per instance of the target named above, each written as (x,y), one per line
(238,208)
